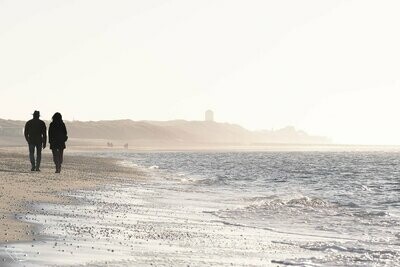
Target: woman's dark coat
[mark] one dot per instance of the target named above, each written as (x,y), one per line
(57,135)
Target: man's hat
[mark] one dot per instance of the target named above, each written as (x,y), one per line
(36,113)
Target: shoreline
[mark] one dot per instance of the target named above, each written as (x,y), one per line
(20,188)
(262,147)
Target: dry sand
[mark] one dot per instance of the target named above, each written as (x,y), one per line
(19,186)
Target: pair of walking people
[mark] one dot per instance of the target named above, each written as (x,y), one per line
(36,136)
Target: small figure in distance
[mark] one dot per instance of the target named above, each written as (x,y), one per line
(35,135)
(126,146)
(57,138)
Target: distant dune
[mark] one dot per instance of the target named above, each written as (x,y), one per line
(164,133)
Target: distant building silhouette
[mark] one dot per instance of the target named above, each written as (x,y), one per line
(209,115)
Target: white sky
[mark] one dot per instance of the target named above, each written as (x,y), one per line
(329,67)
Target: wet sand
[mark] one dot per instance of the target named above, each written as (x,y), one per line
(20,188)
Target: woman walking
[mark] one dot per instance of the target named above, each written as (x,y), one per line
(57,138)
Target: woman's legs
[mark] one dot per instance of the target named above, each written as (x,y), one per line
(60,159)
(56,159)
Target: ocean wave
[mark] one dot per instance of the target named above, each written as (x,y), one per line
(212,181)
(304,204)
(365,213)
(279,202)
(154,167)
(259,210)
(127,163)
(360,250)
(364,254)
(343,254)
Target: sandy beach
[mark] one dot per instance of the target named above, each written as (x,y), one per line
(19,187)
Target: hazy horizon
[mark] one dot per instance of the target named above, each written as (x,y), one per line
(330,68)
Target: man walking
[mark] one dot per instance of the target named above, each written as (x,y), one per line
(35,135)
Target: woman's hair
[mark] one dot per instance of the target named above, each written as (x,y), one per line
(57,117)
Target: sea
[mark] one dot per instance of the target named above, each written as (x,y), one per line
(229,209)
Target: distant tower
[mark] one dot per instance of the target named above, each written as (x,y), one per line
(209,116)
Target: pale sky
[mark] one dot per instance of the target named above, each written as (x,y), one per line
(328,67)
